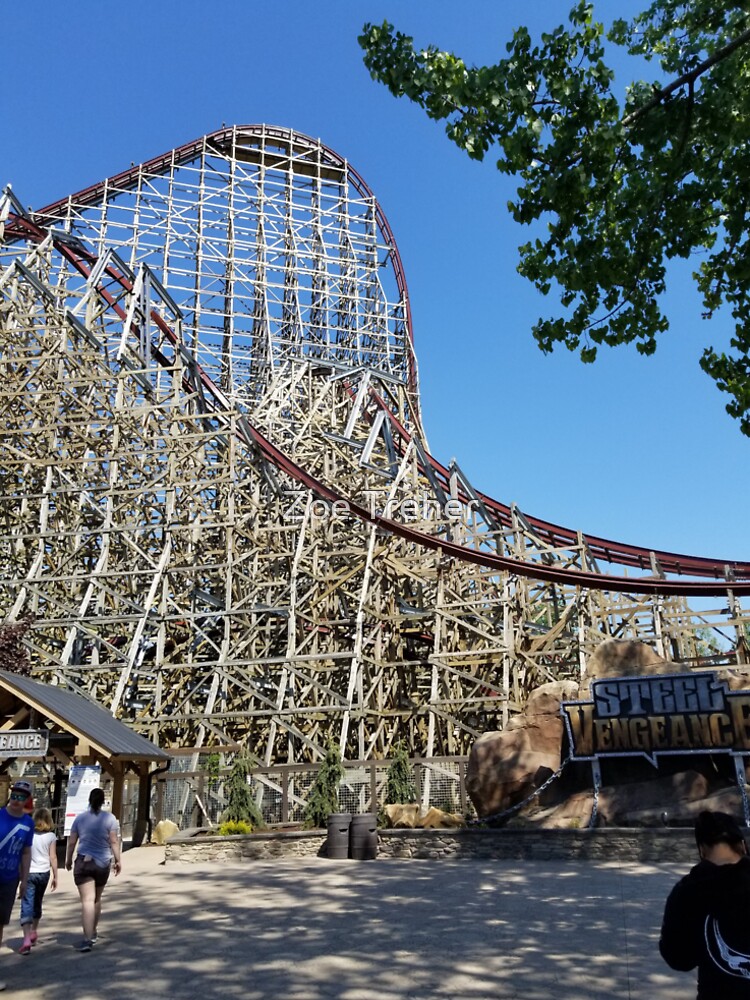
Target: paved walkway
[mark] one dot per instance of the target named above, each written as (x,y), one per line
(347,930)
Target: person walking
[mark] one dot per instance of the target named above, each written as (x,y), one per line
(96,834)
(707,914)
(16,837)
(43,864)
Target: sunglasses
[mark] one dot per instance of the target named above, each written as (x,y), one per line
(18,796)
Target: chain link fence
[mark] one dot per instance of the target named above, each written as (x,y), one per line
(192,794)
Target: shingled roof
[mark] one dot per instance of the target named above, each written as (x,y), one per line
(83,717)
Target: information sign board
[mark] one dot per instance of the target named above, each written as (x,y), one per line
(81,779)
(658,715)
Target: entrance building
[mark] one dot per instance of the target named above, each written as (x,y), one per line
(52,726)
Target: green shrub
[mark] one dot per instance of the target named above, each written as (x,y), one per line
(241,807)
(234,827)
(399,786)
(324,794)
(213,770)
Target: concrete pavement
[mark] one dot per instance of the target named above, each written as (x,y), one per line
(350,930)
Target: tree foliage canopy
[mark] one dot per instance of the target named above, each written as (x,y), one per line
(622,180)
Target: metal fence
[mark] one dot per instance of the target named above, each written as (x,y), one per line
(191,796)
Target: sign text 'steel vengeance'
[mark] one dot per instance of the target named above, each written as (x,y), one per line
(666,714)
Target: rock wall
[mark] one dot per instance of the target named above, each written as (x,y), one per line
(249,847)
(654,846)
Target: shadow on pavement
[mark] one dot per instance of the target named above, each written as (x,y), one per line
(379,930)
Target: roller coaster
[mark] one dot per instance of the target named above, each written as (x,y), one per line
(220,514)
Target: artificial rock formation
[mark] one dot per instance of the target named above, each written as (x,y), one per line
(506,768)
(408,816)
(163,830)
(623,658)
(436,819)
(402,816)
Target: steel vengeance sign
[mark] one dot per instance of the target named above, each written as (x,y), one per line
(24,743)
(662,714)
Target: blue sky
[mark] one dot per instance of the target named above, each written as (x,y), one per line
(631,448)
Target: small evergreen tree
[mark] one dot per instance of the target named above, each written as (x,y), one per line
(400,786)
(324,794)
(241,806)
(213,770)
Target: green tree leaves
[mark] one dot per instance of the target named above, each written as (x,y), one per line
(614,183)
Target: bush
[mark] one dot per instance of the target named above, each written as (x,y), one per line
(324,794)
(399,787)
(213,770)
(241,807)
(234,827)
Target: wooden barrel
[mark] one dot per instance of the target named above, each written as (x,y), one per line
(363,837)
(337,844)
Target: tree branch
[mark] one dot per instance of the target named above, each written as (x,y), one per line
(690,77)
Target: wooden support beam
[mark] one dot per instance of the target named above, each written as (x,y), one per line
(117,770)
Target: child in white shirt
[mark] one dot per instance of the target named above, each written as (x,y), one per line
(43,863)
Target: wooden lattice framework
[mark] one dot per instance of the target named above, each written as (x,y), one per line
(218,504)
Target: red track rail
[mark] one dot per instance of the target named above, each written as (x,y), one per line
(610,551)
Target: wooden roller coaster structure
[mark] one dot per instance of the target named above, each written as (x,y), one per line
(219,510)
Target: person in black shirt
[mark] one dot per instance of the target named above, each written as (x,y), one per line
(707,915)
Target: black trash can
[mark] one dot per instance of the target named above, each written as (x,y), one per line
(337,845)
(363,837)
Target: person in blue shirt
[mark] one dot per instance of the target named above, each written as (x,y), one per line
(16,838)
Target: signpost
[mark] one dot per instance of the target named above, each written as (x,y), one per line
(657,715)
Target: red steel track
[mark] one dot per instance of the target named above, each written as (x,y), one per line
(602,548)
(717,576)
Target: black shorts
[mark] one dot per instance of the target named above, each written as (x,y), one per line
(8,891)
(89,871)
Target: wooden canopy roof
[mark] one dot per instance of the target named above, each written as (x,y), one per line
(95,730)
